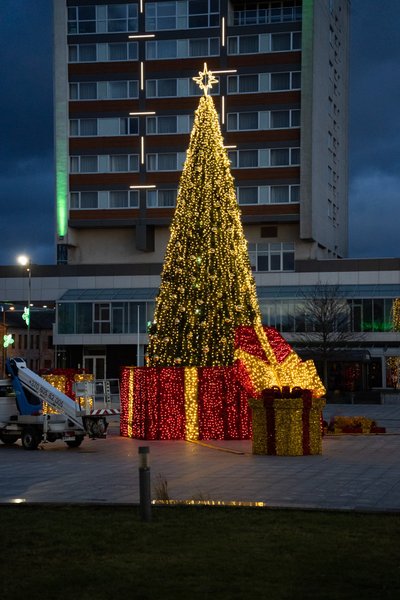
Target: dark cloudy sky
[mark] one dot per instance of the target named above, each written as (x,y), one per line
(26,130)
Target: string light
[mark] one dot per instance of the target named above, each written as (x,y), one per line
(287,426)
(208,350)
(191,404)
(207,287)
(63,380)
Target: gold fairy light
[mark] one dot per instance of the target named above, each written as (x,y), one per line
(205,79)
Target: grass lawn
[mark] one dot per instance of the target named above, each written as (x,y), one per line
(197,553)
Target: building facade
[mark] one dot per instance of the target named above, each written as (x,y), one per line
(124,106)
(102,314)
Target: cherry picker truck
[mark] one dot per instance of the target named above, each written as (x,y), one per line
(22,417)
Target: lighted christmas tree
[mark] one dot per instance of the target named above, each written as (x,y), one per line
(207,288)
(207,312)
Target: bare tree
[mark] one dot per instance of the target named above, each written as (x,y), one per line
(327,323)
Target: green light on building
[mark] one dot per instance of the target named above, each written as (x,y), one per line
(27,315)
(61,197)
(8,340)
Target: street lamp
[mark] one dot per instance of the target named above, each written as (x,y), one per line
(25,261)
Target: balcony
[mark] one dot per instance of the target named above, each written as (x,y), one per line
(259,15)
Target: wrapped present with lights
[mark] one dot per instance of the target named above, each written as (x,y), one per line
(265,360)
(287,422)
(65,381)
(192,403)
(285,394)
(340,424)
(184,403)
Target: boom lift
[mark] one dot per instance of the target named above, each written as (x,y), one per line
(21,411)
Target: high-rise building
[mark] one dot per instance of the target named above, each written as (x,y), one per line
(124,104)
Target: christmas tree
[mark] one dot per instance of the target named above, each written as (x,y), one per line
(207,320)
(207,304)
(207,287)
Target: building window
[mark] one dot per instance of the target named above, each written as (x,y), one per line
(104,163)
(161,198)
(247,44)
(264,42)
(280,157)
(283,119)
(162,88)
(262,13)
(123,163)
(121,17)
(283,42)
(263,82)
(274,119)
(245,84)
(188,48)
(83,164)
(113,18)
(248,195)
(81,19)
(169,124)
(183,14)
(285,81)
(103,52)
(282,194)
(277,256)
(101,322)
(104,90)
(274,157)
(371,314)
(104,127)
(104,199)
(122,199)
(83,200)
(273,194)
(168,161)
(103,317)
(245,121)
(82,53)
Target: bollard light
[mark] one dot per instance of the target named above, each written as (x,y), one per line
(144,452)
(144,484)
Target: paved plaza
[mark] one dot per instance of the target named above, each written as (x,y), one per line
(354,472)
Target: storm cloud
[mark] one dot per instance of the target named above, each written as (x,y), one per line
(26,126)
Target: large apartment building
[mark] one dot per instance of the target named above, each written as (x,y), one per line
(124,106)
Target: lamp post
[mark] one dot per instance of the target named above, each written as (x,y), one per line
(25,261)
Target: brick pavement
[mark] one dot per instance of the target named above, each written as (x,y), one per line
(353,473)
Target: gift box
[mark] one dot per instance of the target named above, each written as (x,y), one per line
(352,425)
(64,380)
(177,403)
(287,422)
(361,425)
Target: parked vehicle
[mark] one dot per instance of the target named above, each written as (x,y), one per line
(22,416)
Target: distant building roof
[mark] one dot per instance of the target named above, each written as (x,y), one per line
(108,294)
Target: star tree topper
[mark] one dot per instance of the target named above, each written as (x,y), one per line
(205,80)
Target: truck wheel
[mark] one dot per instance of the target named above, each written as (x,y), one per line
(8,440)
(76,442)
(30,438)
